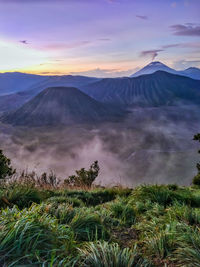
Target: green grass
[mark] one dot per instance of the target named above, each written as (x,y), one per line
(151,225)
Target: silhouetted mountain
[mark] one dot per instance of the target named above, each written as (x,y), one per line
(61,105)
(9,102)
(154,66)
(193,73)
(160,88)
(13,82)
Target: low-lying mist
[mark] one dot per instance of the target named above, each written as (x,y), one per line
(153,145)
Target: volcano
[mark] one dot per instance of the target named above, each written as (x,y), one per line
(62,106)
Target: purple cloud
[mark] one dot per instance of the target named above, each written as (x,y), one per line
(142,17)
(170,46)
(188,29)
(24,42)
(102,73)
(182,45)
(62,46)
(153,53)
(104,39)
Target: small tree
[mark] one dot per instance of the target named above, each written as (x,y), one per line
(6,169)
(84,177)
(196,179)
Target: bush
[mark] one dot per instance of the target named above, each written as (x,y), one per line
(75,202)
(5,166)
(162,195)
(31,237)
(196,180)
(124,212)
(87,226)
(188,252)
(103,254)
(84,177)
(63,212)
(23,196)
(92,198)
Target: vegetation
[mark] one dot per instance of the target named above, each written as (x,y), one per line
(84,177)
(44,223)
(151,225)
(5,166)
(196,179)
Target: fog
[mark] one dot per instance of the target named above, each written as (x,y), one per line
(153,145)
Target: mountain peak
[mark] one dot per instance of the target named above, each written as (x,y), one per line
(156,63)
(153,67)
(61,106)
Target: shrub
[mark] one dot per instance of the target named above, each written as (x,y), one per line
(84,177)
(87,226)
(124,212)
(75,202)
(155,193)
(172,187)
(92,198)
(5,166)
(163,196)
(188,252)
(103,254)
(63,212)
(30,237)
(196,180)
(161,245)
(23,196)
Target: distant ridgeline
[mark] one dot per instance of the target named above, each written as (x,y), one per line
(64,100)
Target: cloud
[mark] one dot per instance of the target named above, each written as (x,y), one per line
(170,46)
(174,4)
(51,73)
(152,53)
(183,64)
(103,73)
(182,45)
(63,46)
(142,17)
(188,29)
(24,42)
(104,39)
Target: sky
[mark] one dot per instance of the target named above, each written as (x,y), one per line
(102,38)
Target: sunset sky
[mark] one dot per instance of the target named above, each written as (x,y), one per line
(97,37)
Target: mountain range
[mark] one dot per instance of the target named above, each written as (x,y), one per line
(61,106)
(152,67)
(157,89)
(15,82)
(34,100)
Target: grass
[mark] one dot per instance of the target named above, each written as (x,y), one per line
(103,254)
(151,225)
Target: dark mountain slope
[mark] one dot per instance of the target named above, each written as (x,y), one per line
(61,105)
(192,72)
(13,101)
(13,82)
(157,89)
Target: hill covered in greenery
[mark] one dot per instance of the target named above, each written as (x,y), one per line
(44,223)
(150,225)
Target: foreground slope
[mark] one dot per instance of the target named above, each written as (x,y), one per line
(61,105)
(148,226)
(160,88)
